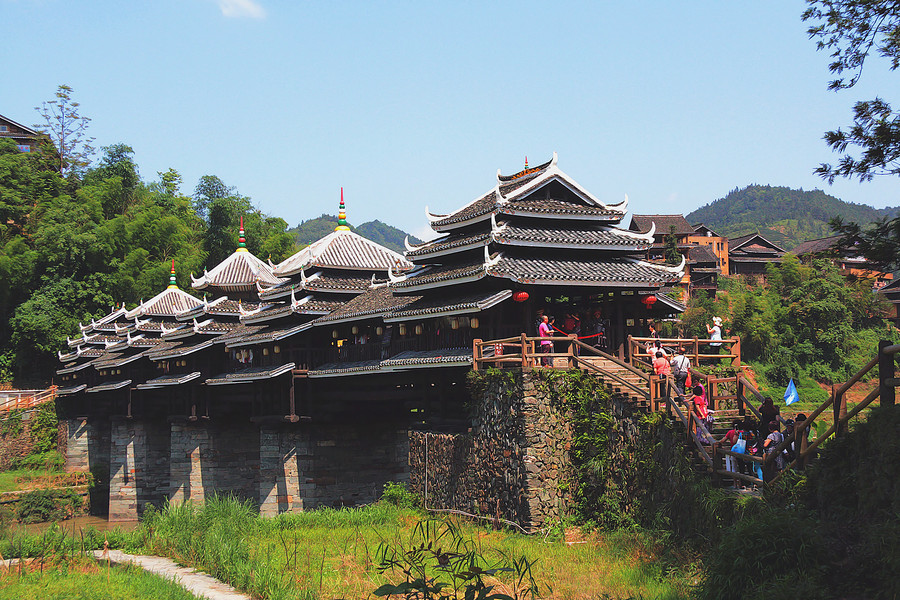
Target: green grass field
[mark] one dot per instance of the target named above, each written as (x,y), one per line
(84,579)
(328,553)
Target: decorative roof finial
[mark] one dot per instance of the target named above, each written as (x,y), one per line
(242,242)
(526,162)
(342,215)
(172,282)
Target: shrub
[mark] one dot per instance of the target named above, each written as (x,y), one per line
(48,505)
(398,495)
(52,461)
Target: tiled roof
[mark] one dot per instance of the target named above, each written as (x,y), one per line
(105,321)
(250,374)
(345,368)
(432,306)
(549,206)
(444,273)
(68,391)
(167,380)
(449,242)
(71,368)
(738,242)
(755,249)
(819,246)
(321,281)
(118,360)
(373,302)
(702,254)
(343,250)
(221,306)
(305,306)
(664,224)
(441,357)
(424,358)
(515,194)
(96,338)
(591,272)
(598,237)
(167,303)
(106,387)
(268,334)
(239,272)
(182,349)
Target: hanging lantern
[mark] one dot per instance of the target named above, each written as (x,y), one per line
(402,328)
(473,322)
(276,349)
(354,330)
(379,330)
(265,351)
(419,329)
(520,296)
(454,323)
(334,334)
(649,301)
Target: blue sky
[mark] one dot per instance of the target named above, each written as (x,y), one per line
(408,104)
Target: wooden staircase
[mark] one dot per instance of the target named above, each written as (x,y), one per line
(27,402)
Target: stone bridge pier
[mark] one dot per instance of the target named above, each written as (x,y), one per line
(281,467)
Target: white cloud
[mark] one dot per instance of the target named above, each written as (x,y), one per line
(241,8)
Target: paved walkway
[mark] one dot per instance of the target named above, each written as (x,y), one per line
(197,583)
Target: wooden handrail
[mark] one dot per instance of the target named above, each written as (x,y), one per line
(610,357)
(585,364)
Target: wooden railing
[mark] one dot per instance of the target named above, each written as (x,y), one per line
(521,352)
(28,402)
(638,348)
(885,360)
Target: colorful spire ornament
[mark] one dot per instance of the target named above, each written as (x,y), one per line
(342,215)
(526,162)
(172,282)
(242,242)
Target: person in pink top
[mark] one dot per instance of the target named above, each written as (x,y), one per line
(661,366)
(546,345)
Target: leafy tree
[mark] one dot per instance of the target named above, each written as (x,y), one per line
(67,129)
(209,188)
(851,29)
(673,256)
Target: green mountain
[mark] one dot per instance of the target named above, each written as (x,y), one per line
(381,233)
(783,215)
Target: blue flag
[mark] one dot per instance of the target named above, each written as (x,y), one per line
(790,394)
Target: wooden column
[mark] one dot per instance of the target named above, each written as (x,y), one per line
(885,375)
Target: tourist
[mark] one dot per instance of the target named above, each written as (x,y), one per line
(681,366)
(701,405)
(546,345)
(715,334)
(729,440)
(661,366)
(769,445)
(768,412)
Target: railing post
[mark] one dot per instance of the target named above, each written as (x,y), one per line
(476,354)
(696,352)
(736,350)
(740,396)
(885,375)
(630,357)
(571,352)
(840,411)
(524,352)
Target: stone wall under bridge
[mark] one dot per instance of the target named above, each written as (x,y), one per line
(514,461)
(280,467)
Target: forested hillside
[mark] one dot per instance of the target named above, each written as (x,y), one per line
(381,233)
(793,216)
(71,247)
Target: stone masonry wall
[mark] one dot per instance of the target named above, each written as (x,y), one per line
(514,462)
(222,458)
(329,464)
(87,448)
(138,467)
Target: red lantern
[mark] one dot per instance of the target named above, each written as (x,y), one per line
(520,296)
(649,301)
